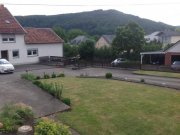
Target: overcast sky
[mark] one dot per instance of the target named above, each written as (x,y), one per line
(166,11)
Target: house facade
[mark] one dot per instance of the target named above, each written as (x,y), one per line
(165,37)
(105,40)
(25,45)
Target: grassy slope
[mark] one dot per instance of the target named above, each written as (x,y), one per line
(106,107)
(158,73)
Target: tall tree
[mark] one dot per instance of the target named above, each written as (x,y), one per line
(60,32)
(129,40)
(70,50)
(87,49)
(74,33)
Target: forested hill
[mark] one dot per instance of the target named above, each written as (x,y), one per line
(94,22)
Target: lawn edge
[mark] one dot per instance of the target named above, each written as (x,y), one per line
(130,80)
(155,75)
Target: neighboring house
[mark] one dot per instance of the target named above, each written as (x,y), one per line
(78,40)
(25,45)
(152,37)
(168,37)
(166,57)
(165,37)
(105,40)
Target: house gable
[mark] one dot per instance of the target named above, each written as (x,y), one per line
(174,48)
(105,40)
(8,24)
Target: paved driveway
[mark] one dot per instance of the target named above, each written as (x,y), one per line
(14,89)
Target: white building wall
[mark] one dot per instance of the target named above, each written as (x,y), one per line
(19,44)
(174,39)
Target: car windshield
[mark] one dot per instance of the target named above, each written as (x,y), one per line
(4,62)
(176,63)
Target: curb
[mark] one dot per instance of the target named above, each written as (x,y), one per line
(130,80)
(155,75)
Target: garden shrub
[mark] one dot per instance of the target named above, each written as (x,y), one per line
(53,75)
(61,75)
(28,76)
(67,101)
(54,89)
(108,75)
(142,80)
(13,116)
(49,127)
(38,83)
(46,76)
(38,77)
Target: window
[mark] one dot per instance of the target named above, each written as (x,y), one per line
(15,53)
(32,52)
(8,38)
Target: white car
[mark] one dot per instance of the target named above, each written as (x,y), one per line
(118,61)
(175,65)
(6,66)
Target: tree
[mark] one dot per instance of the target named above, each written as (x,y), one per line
(104,53)
(152,46)
(129,40)
(70,51)
(86,50)
(60,32)
(74,33)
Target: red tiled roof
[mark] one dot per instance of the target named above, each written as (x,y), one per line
(8,24)
(41,36)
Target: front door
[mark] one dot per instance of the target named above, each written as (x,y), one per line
(4,54)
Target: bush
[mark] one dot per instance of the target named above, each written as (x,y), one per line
(28,76)
(46,76)
(53,75)
(61,75)
(38,83)
(142,80)
(13,116)
(67,101)
(38,77)
(108,75)
(54,89)
(49,127)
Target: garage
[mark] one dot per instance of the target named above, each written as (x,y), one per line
(175,58)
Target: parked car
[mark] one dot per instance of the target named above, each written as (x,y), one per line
(175,65)
(6,66)
(118,61)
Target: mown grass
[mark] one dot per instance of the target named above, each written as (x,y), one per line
(108,107)
(158,73)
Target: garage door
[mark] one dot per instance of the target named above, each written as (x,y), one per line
(175,58)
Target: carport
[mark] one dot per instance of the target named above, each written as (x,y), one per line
(166,57)
(153,58)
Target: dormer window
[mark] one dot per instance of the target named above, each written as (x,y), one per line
(8,38)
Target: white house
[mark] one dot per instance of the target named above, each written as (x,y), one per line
(25,45)
(165,37)
(152,37)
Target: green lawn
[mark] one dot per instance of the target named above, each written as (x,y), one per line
(109,107)
(158,73)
